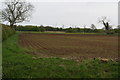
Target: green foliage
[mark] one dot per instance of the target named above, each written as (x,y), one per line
(41,28)
(37,28)
(49,28)
(27,28)
(81,30)
(117,30)
(7,31)
(0,33)
(73,30)
(67,30)
(18,64)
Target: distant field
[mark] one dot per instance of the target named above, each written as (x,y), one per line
(72,46)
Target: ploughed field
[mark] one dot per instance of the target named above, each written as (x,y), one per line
(71,46)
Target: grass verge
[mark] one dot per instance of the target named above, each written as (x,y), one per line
(18,64)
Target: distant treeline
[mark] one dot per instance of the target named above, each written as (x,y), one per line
(69,30)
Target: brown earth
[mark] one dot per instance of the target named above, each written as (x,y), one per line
(71,46)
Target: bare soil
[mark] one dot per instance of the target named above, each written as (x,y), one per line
(71,46)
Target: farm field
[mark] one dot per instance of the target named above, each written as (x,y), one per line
(17,63)
(71,46)
(59,39)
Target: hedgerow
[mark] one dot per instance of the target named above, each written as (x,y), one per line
(7,31)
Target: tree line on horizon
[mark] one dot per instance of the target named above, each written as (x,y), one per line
(16,12)
(42,28)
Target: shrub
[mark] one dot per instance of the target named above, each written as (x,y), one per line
(7,31)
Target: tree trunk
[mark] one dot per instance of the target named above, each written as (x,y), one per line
(107,27)
(11,24)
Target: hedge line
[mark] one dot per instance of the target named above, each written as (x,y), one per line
(7,31)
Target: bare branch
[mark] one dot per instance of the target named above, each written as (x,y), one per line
(16,11)
(105,22)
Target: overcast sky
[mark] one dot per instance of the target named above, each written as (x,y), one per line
(73,12)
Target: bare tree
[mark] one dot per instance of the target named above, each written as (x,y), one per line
(93,27)
(84,28)
(105,22)
(16,11)
(118,27)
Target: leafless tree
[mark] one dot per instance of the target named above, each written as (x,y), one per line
(118,27)
(93,27)
(16,11)
(84,28)
(105,22)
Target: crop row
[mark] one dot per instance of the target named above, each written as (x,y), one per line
(71,45)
